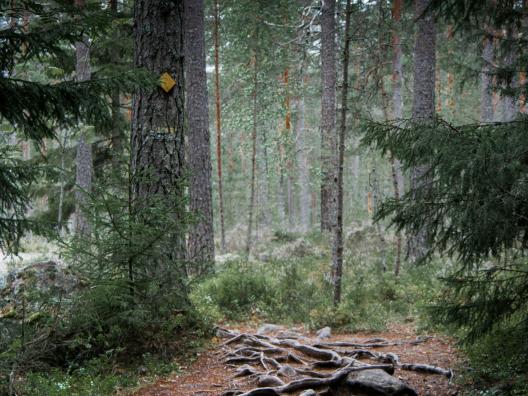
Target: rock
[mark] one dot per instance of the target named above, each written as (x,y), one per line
(308,392)
(325,332)
(288,334)
(25,289)
(373,382)
(287,371)
(269,381)
(268,328)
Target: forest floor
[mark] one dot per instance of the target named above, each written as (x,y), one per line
(209,376)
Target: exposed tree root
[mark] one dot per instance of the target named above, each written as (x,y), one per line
(284,371)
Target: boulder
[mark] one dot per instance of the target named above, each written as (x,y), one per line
(36,282)
(269,381)
(268,328)
(373,382)
(325,332)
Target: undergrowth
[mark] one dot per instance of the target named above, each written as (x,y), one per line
(297,288)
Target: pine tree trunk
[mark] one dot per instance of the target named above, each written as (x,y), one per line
(301,142)
(83,157)
(302,162)
(328,117)
(423,109)
(157,139)
(201,235)
(253,156)
(397,104)
(486,94)
(510,107)
(118,135)
(218,120)
(337,245)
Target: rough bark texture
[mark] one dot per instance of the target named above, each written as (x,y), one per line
(83,157)
(118,134)
(218,121)
(423,109)
(200,248)
(328,117)
(510,107)
(253,157)
(397,105)
(486,96)
(157,141)
(337,243)
(303,163)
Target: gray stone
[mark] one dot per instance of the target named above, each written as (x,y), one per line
(325,332)
(287,371)
(308,392)
(373,382)
(269,381)
(268,328)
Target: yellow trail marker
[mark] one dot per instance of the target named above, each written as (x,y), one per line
(167,82)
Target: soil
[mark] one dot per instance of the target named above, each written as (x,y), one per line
(209,376)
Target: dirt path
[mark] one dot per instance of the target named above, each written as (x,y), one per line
(209,376)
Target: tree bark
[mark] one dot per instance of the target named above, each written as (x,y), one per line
(302,161)
(486,94)
(200,248)
(83,157)
(218,120)
(423,109)
(118,135)
(510,107)
(397,104)
(253,156)
(337,245)
(157,138)
(328,117)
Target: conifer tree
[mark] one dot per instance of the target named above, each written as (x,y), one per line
(201,237)
(328,116)
(157,152)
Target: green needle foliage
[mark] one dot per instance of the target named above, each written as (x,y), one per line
(473,207)
(34,108)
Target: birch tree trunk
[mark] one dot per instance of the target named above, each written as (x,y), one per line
(423,109)
(200,247)
(328,117)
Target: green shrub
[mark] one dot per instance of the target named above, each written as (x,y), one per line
(236,292)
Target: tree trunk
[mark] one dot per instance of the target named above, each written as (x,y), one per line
(118,135)
(397,104)
(486,94)
(83,157)
(200,248)
(337,245)
(157,139)
(218,119)
(328,117)
(510,107)
(302,162)
(253,156)
(423,109)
